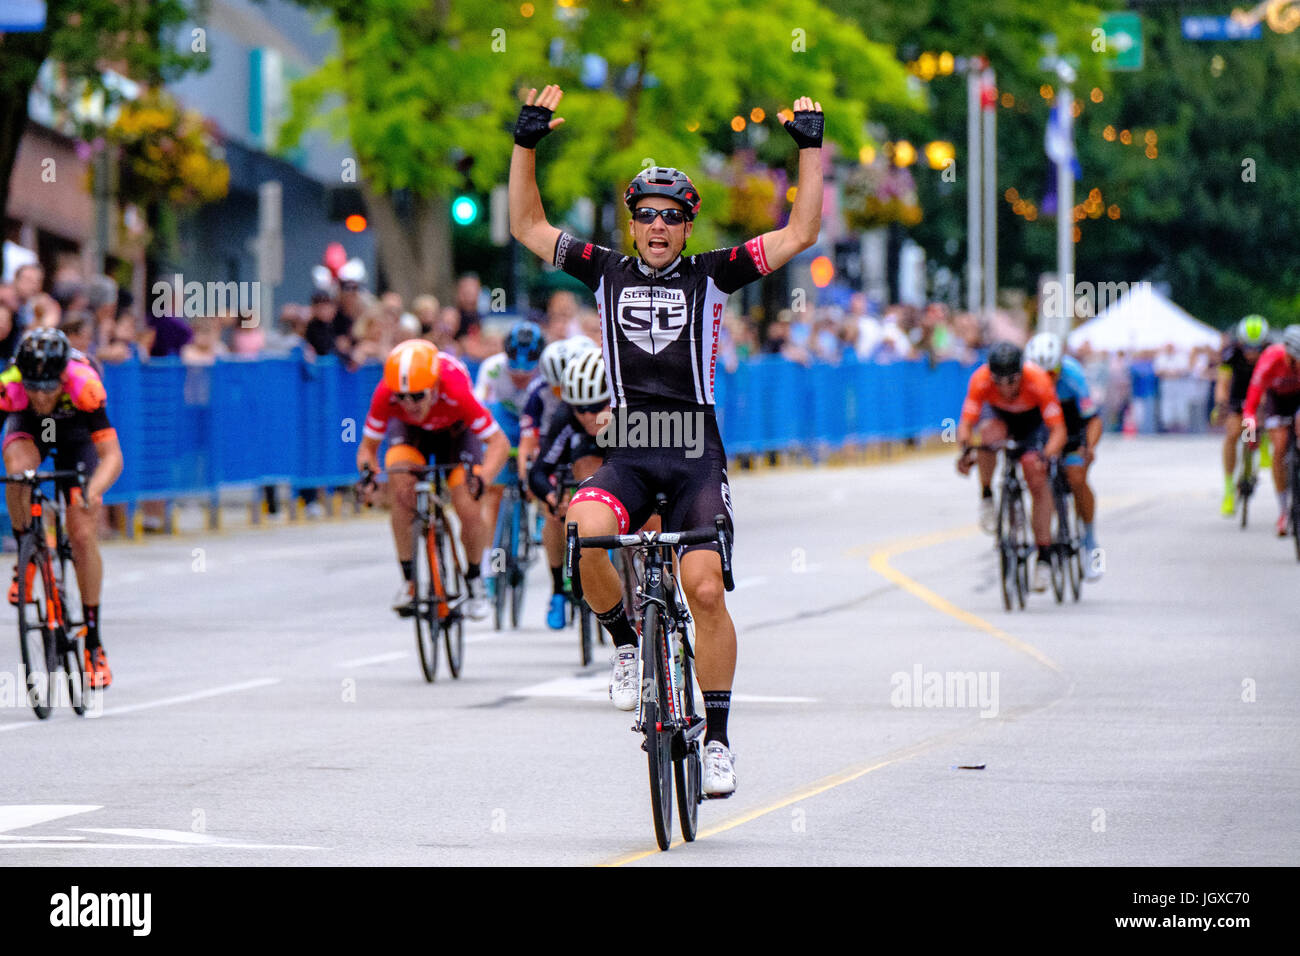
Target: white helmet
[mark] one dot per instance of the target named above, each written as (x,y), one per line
(584,379)
(1044,350)
(556,355)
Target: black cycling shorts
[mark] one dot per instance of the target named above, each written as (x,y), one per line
(72,444)
(1026,429)
(692,474)
(445,446)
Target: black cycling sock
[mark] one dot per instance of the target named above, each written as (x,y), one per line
(619,627)
(408,570)
(557,580)
(986,492)
(472,571)
(1045,552)
(717,704)
(90,613)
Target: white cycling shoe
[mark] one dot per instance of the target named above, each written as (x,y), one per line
(475,605)
(988,516)
(404,599)
(623,690)
(1042,575)
(719,770)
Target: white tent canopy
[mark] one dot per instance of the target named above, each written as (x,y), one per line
(1143,319)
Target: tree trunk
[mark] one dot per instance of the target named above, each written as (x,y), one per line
(416,256)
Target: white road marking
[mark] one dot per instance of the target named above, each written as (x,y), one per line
(376,659)
(187,698)
(147,846)
(186,837)
(596,688)
(18,816)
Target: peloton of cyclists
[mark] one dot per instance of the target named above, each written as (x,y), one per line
(1025,410)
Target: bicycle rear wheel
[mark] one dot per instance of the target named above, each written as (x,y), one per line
(455,589)
(1022,549)
(518,563)
(687,767)
(426,601)
(1060,547)
(35,630)
(658,742)
(1245,484)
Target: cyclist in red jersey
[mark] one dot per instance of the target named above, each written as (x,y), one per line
(438,419)
(56,402)
(1025,409)
(1277,375)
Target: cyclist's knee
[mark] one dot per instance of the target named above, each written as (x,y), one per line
(20,455)
(703,585)
(593,518)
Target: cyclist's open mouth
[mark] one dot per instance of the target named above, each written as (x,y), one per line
(658,245)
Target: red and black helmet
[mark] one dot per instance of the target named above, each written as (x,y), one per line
(664,181)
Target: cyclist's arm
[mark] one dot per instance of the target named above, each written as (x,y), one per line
(800,233)
(1221,384)
(495,453)
(528,221)
(368,454)
(377,416)
(110,465)
(974,404)
(1260,381)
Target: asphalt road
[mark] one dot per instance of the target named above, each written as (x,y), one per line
(269,709)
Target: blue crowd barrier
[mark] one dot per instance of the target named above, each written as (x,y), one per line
(772,404)
(191,431)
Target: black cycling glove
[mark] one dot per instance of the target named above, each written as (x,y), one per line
(534,122)
(806,128)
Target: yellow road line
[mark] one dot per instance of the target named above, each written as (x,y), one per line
(879,562)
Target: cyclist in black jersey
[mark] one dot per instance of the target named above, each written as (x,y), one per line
(660,313)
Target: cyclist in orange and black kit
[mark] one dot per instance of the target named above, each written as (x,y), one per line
(52,383)
(1025,409)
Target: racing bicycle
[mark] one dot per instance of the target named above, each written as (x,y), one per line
(52,639)
(666,713)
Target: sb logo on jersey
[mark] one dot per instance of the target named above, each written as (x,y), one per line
(652,319)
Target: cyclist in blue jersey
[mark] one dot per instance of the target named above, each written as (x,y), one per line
(502,386)
(1083,428)
(661,313)
(541,406)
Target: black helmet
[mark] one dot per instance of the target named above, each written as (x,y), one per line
(1005,360)
(41,358)
(664,181)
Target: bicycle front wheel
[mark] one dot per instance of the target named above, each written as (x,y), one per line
(686,768)
(35,630)
(426,601)
(1006,554)
(455,589)
(586,624)
(658,741)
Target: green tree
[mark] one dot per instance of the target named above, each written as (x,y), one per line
(420,86)
(134,37)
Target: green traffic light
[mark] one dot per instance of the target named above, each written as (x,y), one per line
(464,210)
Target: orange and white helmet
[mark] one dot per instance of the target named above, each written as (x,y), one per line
(412,367)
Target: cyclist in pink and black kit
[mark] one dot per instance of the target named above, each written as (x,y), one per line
(1277,375)
(661,312)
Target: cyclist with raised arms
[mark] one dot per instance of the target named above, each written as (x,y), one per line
(1083,428)
(1249,339)
(661,312)
(541,407)
(1025,410)
(437,420)
(52,383)
(1277,375)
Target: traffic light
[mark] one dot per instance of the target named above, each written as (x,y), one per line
(464,210)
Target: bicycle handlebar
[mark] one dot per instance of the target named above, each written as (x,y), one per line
(37,477)
(574,545)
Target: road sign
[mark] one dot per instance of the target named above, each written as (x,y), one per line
(1219,28)
(1123,41)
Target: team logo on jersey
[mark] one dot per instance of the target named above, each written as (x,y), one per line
(653,319)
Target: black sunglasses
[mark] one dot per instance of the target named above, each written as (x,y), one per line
(1006,379)
(411,396)
(595,409)
(646,215)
